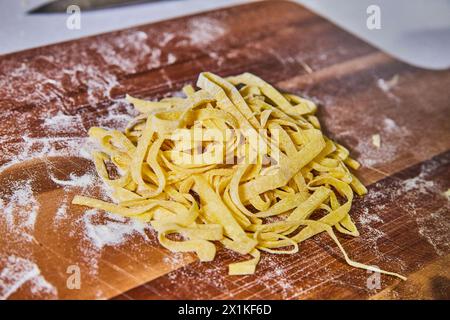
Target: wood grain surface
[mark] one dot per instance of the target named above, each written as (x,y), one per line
(50,96)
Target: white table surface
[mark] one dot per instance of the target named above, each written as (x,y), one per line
(415,31)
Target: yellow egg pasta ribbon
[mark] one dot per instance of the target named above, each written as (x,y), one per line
(191,168)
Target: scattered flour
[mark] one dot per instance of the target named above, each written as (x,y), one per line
(20,209)
(392,134)
(387,85)
(370,234)
(18,271)
(420,182)
(166,37)
(113,232)
(171,58)
(278,272)
(61,212)
(63,123)
(83,181)
(434,226)
(55,82)
(104,230)
(125,51)
(30,148)
(204,30)
(372,152)
(417,184)
(26,148)
(389,126)
(367,218)
(174,259)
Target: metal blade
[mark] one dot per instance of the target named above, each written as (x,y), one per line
(59,6)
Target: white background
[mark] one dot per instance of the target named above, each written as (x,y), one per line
(416,31)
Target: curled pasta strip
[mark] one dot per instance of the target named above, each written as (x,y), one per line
(235,163)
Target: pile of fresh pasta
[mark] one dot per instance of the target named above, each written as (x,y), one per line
(191,168)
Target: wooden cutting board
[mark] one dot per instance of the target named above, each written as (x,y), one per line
(50,96)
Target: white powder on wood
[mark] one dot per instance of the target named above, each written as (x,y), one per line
(33,148)
(20,209)
(83,181)
(61,212)
(171,58)
(390,125)
(126,51)
(204,30)
(114,231)
(386,150)
(434,227)
(101,230)
(366,217)
(63,123)
(371,234)
(65,135)
(417,184)
(18,271)
(387,85)
(166,37)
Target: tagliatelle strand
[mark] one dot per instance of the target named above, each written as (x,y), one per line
(235,162)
